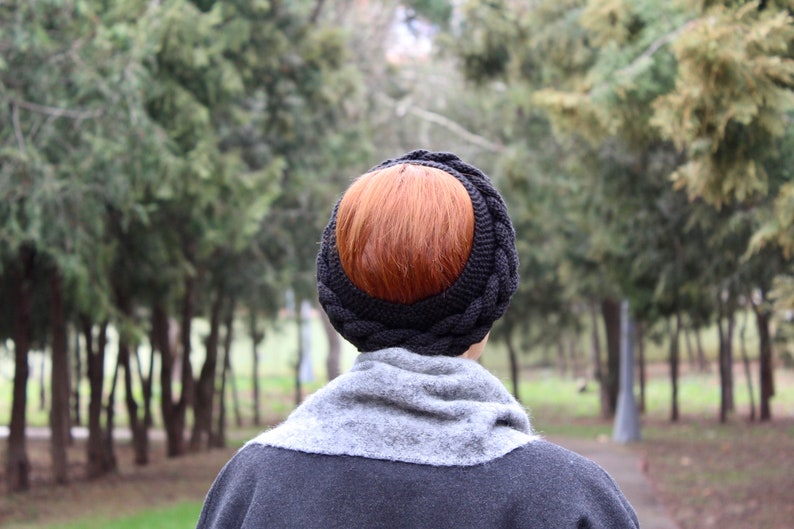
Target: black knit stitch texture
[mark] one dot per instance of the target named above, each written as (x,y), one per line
(447,323)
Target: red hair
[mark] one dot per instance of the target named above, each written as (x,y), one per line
(404,233)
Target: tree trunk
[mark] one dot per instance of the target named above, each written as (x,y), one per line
(703,364)
(726,366)
(188,384)
(146,386)
(674,361)
(690,351)
(227,366)
(17,462)
(256,337)
(746,362)
(729,383)
(140,441)
(562,360)
(43,383)
(610,311)
(205,386)
(218,439)
(171,424)
(140,436)
(765,368)
(298,357)
(721,363)
(640,330)
(78,378)
(59,381)
(573,354)
(334,347)
(514,370)
(99,462)
(318,7)
(110,407)
(68,379)
(597,365)
(238,417)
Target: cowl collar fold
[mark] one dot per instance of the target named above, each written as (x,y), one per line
(400,406)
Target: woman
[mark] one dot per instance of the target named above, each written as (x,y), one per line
(417,262)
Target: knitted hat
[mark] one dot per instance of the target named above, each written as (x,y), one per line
(447,323)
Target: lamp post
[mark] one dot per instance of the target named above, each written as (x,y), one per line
(627,421)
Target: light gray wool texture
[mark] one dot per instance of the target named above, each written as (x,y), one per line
(397,405)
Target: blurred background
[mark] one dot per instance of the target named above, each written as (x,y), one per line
(167,167)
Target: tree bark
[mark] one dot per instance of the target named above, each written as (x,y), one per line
(140,435)
(17,461)
(256,337)
(746,362)
(765,367)
(690,351)
(110,406)
(298,357)
(674,361)
(703,364)
(238,418)
(640,330)
(726,366)
(218,439)
(729,382)
(99,462)
(205,386)
(318,7)
(597,365)
(573,354)
(43,383)
(188,383)
(610,311)
(140,439)
(721,363)
(78,377)
(334,347)
(227,366)
(146,387)
(562,360)
(171,423)
(514,370)
(59,381)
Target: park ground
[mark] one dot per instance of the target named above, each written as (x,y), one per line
(732,476)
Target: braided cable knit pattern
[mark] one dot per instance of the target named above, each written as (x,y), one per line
(447,323)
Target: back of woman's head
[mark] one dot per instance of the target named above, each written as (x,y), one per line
(419,253)
(404,233)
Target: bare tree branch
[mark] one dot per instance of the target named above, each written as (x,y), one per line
(404,106)
(55,111)
(628,71)
(318,7)
(17,128)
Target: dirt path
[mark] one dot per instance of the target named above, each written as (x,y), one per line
(627,469)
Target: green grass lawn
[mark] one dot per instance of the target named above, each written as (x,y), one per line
(179,516)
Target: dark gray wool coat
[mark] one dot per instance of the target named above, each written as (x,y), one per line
(410,441)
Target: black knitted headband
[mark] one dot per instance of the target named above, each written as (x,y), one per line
(447,323)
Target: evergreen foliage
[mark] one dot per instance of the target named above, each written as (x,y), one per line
(162,161)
